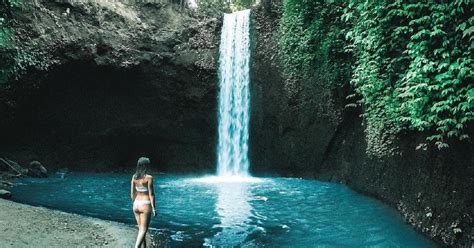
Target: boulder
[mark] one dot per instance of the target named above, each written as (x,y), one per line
(36,169)
(5,194)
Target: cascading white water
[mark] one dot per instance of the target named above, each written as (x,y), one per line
(234,96)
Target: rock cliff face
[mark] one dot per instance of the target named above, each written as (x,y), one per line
(292,123)
(432,189)
(304,130)
(124,80)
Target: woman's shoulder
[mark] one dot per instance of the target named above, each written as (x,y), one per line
(148,176)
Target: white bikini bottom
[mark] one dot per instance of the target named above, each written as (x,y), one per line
(138,203)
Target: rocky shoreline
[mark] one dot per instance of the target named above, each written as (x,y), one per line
(26,226)
(23,225)
(10,170)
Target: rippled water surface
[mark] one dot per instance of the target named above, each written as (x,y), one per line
(271,212)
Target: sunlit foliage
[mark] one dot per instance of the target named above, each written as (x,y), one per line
(413,66)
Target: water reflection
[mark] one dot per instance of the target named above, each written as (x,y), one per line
(234,210)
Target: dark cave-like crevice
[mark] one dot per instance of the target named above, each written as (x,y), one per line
(101,117)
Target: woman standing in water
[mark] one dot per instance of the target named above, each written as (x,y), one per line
(143,197)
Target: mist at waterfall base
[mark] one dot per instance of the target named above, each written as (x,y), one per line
(271,212)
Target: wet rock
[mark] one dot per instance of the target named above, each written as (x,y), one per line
(5,183)
(5,194)
(36,169)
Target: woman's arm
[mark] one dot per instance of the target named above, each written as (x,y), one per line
(132,190)
(151,191)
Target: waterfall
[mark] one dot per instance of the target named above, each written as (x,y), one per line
(234,96)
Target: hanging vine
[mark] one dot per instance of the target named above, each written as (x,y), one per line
(412,68)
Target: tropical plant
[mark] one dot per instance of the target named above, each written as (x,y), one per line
(412,67)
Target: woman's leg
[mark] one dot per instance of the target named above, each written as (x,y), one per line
(137,216)
(143,226)
(145,223)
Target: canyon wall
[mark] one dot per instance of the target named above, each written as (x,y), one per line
(126,80)
(302,129)
(122,81)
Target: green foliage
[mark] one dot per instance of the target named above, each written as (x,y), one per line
(311,38)
(371,76)
(15,3)
(6,33)
(213,7)
(15,60)
(6,40)
(217,7)
(241,4)
(414,65)
(412,68)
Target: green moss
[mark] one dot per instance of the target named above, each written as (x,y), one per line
(6,42)
(5,36)
(16,59)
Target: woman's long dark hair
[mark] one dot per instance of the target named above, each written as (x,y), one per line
(142,167)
